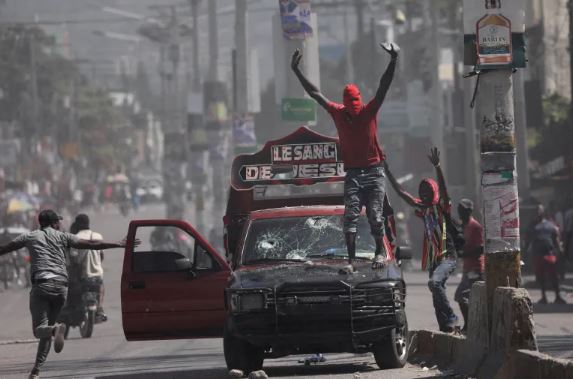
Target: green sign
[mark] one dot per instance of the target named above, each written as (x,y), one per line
(301,110)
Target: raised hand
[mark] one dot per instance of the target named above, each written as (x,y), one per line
(434,156)
(295,60)
(391,48)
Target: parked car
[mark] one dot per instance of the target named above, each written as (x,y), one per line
(280,290)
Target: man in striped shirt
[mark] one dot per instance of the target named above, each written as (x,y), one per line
(433,206)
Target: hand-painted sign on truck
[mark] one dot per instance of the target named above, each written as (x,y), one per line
(303,157)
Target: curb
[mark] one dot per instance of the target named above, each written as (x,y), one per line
(17,342)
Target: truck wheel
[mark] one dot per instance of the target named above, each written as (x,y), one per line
(392,350)
(241,355)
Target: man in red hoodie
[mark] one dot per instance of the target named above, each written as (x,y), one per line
(362,155)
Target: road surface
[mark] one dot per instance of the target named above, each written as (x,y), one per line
(108,355)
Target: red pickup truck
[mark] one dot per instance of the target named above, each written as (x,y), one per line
(279,289)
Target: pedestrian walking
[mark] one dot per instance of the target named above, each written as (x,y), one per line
(47,247)
(441,239)
(544,245)
(472,255)
(362,155)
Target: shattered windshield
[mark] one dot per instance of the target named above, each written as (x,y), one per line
(303,238)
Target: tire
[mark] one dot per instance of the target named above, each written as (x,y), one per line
(241,355)
(392,351)
(87,325)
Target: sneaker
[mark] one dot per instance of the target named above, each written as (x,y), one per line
(542,301)
(378,262)
(452,323)
(559,300)
(59,337)
(34,375)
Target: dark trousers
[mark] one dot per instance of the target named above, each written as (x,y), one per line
(437,284)
(364,187)
(46,302)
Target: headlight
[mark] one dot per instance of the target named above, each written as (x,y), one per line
(243,302)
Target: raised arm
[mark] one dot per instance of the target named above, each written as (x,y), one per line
(310,88)
(398,188)
(386,79)
(434,158)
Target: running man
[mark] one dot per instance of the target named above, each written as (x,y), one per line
(362,155)
(47,247)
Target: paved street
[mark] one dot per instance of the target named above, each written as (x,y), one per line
(108,355)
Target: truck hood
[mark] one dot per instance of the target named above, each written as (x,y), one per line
(270,276)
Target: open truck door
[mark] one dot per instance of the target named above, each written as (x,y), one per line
(172,284)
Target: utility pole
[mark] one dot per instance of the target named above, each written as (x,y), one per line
(523,178)
(436,103)
(570,8)
(174,142)
(496,117)
(34,89)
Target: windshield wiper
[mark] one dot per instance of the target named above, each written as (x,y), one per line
(260,260)
(333,256)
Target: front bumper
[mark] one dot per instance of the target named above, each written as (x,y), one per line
(324,317)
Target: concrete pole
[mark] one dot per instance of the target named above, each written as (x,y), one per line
(495,113)
(196,81)
(241,57)
(213,41)
(437,110)
(524,181)
(174,135)
(472,147)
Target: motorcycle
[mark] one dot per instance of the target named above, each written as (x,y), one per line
(80,310)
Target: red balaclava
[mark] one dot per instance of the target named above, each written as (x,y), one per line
(352,99)
(434,188)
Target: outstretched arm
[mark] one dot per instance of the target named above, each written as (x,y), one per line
(398,188)
(10,247)
(310,88)
(101,245)
(434,158)
(386,79)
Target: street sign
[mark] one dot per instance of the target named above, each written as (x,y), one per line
(298,110)
(295,19)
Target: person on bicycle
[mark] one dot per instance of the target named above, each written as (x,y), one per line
(89,261)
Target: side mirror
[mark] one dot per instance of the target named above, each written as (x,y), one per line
(403,253)
(183,264)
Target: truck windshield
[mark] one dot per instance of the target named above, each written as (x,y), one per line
(303,238)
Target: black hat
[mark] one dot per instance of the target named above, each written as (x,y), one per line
(48,217)
(467,204)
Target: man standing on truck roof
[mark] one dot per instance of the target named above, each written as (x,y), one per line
(47,247)
(362,155)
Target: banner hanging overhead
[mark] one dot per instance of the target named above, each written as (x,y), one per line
(494,33)
(295,18)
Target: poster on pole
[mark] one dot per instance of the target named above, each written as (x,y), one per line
(244,130)
(295,19)
(501,211)
(494,33)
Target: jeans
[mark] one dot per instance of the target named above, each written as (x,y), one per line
(463,292)
(437,284)
(364,187)
(46,302)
